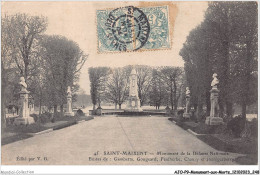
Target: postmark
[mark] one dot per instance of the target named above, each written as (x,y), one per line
(131,29)
(128,28)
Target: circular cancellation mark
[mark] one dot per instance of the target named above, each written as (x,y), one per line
(128,28)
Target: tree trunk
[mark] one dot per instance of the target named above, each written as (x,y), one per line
(61,110)
(115,105)
(40,109)
(55,109)
(171,97)
(26,64)
(3,97)
(225,82)
(199,109)
(244,111)
(94,107)
(119,106)
(3,116)
(175,95)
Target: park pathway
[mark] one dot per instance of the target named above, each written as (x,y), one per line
(125,140)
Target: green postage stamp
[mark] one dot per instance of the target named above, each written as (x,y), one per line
(131,28)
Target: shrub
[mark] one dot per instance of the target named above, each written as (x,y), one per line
(46,117)
(236,125)
(80,113)
(35,117)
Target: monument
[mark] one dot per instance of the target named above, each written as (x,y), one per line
(24,113)
(69,111)
(187,111)
(133,101)
(214,118)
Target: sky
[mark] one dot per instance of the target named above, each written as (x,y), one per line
(77,21)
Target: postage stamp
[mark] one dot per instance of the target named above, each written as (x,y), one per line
(131,28)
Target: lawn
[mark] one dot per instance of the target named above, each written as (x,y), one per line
(220,138)
(14,133)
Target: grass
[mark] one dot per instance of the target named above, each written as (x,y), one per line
(14,133)
(235,145)
(69,123)
(32,128)
(14,138)
(199,127)
(220,138)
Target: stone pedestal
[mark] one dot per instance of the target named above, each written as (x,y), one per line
(133,101)
(187,114)
(133,104)
(214,118)
(24,112)
(69,111)
(214,121)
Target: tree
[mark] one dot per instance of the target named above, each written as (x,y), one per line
(20,49)
(117,86)
(196,53)
(225,43)
(171,77)
(63,59)
(244,55)
(234,25)
(97,77)
(8,69)
(157,90)
(144,77)
(25,32)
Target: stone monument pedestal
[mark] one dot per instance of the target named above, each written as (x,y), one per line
(69,111)
(133,104)
(23,120)
(133,101)
(214,121)
(24,112)
(69,114)
(186,115)
(214,118)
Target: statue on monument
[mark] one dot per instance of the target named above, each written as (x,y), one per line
(187,111)
(187,91)
(69,91)
(214,118)
(69,111)
(24,112)
(23,84)
(215,81)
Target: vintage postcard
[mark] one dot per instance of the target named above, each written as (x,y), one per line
(130,83)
